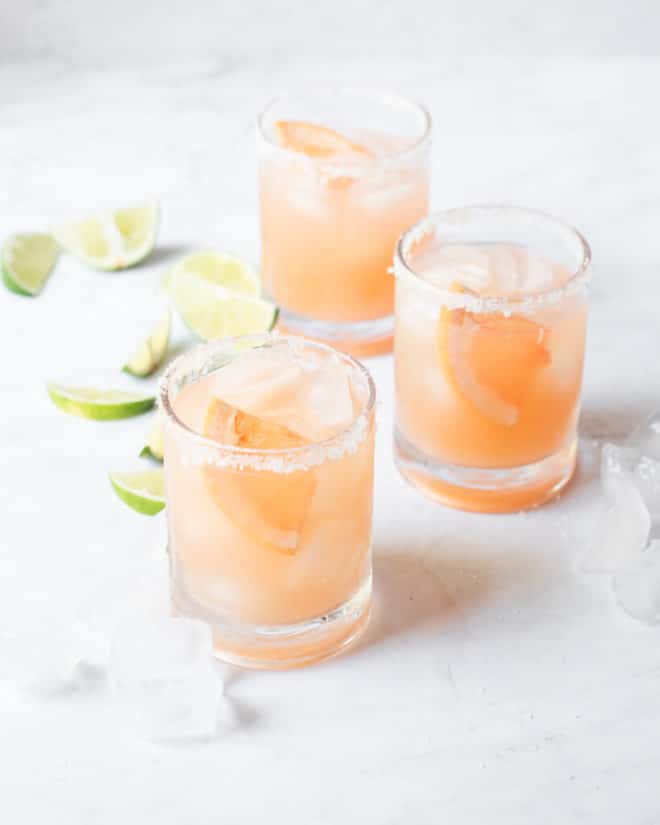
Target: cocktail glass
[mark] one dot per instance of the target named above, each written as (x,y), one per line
(491,318)
(269,444)
(342,174)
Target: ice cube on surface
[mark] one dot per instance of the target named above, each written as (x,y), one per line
(644,472)
(616,460)
(117,600)
(163,678)
(646,437)
(637,587)
(43,661)
(622,529)
(647,478)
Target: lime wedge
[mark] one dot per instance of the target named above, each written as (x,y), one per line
(151,352)
(154,446)
(112,240)
(102,405)
(27,261)
(212,311)
(219,268)
(143,490)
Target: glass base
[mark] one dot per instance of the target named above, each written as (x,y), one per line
(479,490)
(283,646)
(359,338)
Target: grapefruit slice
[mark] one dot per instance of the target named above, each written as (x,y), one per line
(271,507)
(317,141)
(492,360)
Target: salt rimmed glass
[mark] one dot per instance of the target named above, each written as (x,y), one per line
(329,227)
(270,606)
(459,355)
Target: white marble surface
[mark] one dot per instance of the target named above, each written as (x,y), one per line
(495,683)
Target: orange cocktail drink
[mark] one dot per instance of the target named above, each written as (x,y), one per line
(269,482)
(489,346)
(342,174)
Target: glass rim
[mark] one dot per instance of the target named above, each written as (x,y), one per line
(359,91)
(201,352)
(579,278)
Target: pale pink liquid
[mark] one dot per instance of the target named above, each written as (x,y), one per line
(328,238)
(267,547)
(488,389)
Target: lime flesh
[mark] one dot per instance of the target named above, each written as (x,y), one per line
(152,351)
(112,240)
(212,311)
(154,446)
(27,261)
(219,268)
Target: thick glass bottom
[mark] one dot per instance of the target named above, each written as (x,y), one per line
(283,646)
(504,490)
(359,338)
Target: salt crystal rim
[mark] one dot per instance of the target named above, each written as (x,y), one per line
(339,167)
(505,304)
(312,454)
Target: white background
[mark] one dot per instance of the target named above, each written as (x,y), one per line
(496,683)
